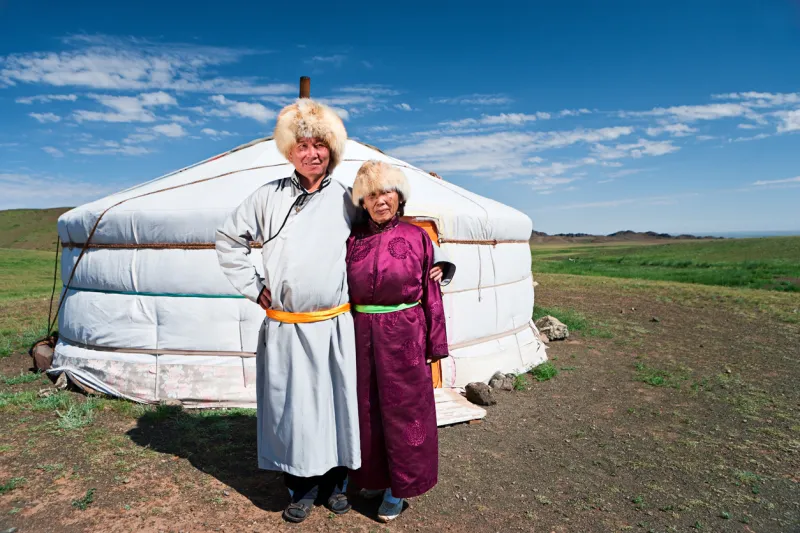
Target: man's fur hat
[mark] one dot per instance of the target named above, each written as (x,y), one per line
(307,118)
(377,176)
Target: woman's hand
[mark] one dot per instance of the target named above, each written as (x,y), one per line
(436,274)
(265,299)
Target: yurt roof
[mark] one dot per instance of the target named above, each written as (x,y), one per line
(186,206)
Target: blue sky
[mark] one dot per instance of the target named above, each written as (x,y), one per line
(588,116)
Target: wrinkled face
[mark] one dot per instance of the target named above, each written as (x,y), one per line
(310,157)
(382,206)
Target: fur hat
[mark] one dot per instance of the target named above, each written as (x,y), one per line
(377,176)
(307,118)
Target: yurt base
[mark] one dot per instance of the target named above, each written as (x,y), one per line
(451,406)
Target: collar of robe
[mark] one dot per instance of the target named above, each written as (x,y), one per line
(373,227)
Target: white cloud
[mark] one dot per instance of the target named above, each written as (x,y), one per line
(370,90)
(676,130)
(126,108)
(502,154)
(44,118)
(141,137)
(747,126)
(111,148)
(777,182)
(335,59)
(170,130)
(503,119)
(25,190)
(760,99)
(753,138)
(791,121)
(43,98)
(574,112)
(691,113)
(636,150)
(626,172)
(705,137)
(475,99)
(245,109)
(55,152)
(403,107)
(216,133)
(108,63)
(651,200)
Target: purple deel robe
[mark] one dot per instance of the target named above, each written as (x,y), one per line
(396,409)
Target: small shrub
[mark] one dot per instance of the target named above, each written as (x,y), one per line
(520,382)
(545,371)
(78,415)
(11,484)
(84,502)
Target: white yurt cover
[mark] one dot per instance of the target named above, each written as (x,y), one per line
(149,316)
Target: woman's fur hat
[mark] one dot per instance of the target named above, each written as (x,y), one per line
(307,118)
(377,176)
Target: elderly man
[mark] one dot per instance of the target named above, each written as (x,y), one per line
(306,372)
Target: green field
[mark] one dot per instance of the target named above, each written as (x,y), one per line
(767,263)
(30,229)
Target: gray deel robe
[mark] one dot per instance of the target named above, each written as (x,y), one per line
(305,373)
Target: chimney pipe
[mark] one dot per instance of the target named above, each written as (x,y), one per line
(305,87)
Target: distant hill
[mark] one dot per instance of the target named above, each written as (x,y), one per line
(30,229)
(540,237)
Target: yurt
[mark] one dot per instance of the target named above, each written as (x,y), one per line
(147,314)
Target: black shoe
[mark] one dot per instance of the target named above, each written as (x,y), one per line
(296,512)
(338,503)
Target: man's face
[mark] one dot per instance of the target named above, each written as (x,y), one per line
(310,157)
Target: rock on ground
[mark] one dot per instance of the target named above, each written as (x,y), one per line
(480,393)
(502,381)
(552,327)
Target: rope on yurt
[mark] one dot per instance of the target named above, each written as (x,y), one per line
(488,338)
(85,246)
(53,293)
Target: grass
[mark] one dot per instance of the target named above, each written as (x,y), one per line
(84,502)
(23,377)
(11,484)
(26,274)
(768,263)
(545,371)
(574,320)
(32,229)
(658,377)
(77,415)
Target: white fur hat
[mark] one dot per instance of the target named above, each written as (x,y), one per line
(377,176)
(307,118)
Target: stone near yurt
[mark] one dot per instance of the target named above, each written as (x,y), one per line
(42,353)
(553,328)
(149,315)
(480,393)
(501,381)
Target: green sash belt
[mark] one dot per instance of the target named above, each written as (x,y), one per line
(373,309)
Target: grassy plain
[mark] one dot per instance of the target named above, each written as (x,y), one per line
(673,407)
(767,263)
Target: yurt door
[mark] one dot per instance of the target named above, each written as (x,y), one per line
(430,228)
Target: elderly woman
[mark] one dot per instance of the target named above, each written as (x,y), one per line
(400,326)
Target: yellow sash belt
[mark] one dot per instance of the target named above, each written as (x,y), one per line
(305,318)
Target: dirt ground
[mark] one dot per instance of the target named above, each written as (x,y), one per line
(667,415)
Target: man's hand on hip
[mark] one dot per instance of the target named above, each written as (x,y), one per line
(265,299)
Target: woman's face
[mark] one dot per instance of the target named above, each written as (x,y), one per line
(310,157)
(382,206)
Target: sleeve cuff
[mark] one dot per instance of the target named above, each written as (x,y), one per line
(448,271)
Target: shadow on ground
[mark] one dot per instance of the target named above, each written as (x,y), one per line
(219,443)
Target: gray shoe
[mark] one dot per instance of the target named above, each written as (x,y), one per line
(389,511)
